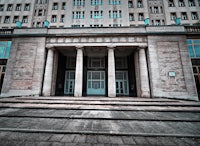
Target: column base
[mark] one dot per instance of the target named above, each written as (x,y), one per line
(145,94)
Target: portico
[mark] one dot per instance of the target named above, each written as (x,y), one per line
(99,69)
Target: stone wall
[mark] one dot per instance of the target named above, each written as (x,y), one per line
(170,68)
(24,73)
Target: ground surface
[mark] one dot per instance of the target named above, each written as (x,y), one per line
(66,121)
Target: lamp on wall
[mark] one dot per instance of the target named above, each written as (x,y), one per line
(146,21)
(46,23)
(18,24)
(178,21)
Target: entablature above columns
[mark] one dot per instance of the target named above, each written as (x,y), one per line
(97,41)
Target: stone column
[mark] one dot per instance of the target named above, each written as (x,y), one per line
(55,68)
(111,73)
(78,87)
(144,77)
(48,73)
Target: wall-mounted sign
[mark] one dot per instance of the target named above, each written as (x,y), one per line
(172,74)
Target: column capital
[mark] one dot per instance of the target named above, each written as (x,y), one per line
(111,47)
(142,47)
(50,48)
(79,47)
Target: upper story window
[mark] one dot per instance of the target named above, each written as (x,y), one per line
(194,48)
(27,7)
(78,15)
(184,16)
(171,3)
(25,19)
(181,3)
(54,19)
(173,16)
(139,4)
(55,6)
(40,12)
(194,16)
(140,17)
(62,18)
(96,2)
(18,7)
(130,4)
(63,6)
(131,17)
(114,2)
(15,19)
(10,7)
(115,14)
(78,2)
(157,22)
(43,1)
(191,3)
(7,19)
(155,10)
(96,14)
(1,7)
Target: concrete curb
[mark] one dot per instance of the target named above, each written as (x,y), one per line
(111,104)
(102,109)
(111,133)
(94,118)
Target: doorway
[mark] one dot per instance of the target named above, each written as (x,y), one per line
(122,87)
(96,83)
(69,82)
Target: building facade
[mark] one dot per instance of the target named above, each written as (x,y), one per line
(100,48)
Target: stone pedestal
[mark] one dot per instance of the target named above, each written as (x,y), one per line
(111,73)
(48,73)
(144,77)
(79,73)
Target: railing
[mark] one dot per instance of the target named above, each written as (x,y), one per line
(6,31)
(193,29)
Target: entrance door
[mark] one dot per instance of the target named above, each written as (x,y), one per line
(95,83)
(69,82)
(122,83)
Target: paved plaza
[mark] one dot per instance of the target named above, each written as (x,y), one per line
(88,121)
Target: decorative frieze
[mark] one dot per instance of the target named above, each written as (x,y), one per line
(113,39)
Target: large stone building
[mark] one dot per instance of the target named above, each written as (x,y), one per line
(138,48)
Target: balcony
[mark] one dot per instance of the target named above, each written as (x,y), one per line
(192,29)
(6,31)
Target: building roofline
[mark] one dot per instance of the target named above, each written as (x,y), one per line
(102,31)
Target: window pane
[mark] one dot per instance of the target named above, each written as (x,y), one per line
(8,50)
(5,49)
(196,41)
(197,50)
(189,41)
(191,53)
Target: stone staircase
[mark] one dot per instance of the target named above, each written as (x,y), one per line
(98,121)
